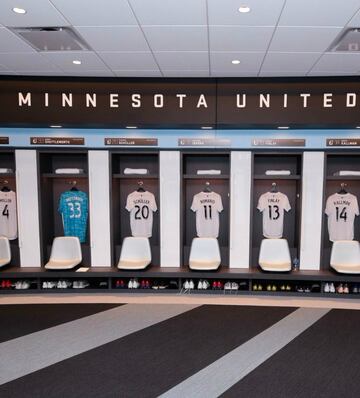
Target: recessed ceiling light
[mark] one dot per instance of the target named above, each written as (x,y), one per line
(131,127)
(76,62)
(235,62)
(283,127)
(207,127)
(55,126)
(18,10)
(244,9)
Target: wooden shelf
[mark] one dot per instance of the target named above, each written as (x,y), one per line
(55,175)
(276,177)
(206,177)
(7,175)
(136,176)
(340,178)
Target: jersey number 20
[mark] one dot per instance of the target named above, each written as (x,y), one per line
(141,212)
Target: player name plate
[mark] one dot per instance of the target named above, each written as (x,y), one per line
(343,142)
(131,141)
(4,140)
(56,141)
(203,142)
(278,142)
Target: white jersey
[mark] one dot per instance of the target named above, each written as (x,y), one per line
(207,206)
(341,211)
(273,205)
(141,206)
(8,218)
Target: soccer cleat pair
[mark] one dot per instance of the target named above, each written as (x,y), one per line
(145,284)
(189,285)
(120,284)
(257,287)
(217,285)
(342,288)
(203,285)
(285,288)
(231,286)
(49,285)
(6,284)
(80,284)
(22,285)
(329,288)
(63,284)
(271,288)
(133,284)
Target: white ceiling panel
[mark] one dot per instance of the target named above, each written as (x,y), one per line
(221,73)
(38,13)
(92,13)
(10,43)
(327,73)
(89,61)
(249,62)
(138,73)
(234,38)
(262,12)
(128,60)
(170,12)
(115,38)
(281,74)
(92,73)
(186,73)
(338,62)
(289,62)
(318,12)
(308,39)
(31,62)
(183,60)
(177,38)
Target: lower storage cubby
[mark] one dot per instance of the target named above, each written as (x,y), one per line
(213,285)
(285,286)
(341,288)
(73,284)
(15,284)
(146,285)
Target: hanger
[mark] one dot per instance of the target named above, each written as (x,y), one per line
(207,187)
(342,191)
(5,188)
(274,187)
(73,183)
(140,189)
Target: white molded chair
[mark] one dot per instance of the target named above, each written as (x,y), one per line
(204,254)
(135,253)
(345,256)
(5,253)
(65,253)
(275,255)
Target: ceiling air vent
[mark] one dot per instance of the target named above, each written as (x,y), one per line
(348,42)
(52,39)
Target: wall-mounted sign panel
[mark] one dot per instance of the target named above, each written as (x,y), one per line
(131,141)
(288,142)
(343,142)
(57,141)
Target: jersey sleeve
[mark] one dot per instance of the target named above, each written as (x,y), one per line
(129,203)
(195,203)
(328,207)
(153,205)
(356,206)
(219,204)
(287,206)
(262,203)
(61,204)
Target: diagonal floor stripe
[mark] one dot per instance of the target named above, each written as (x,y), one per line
(222,374)
(27,354)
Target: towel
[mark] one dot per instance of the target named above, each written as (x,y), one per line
(347,173)
(215,172)
(277,172)
(135,171)
(69,171)
(6,171)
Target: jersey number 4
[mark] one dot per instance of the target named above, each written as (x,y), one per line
(5,211)
(342,214)
(141,212)
(274,213)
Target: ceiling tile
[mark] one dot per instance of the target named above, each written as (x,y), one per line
(186,73)
(289,62)
(318,12)
(90,13)
(38,13)
(221,73)
(262,13)
(170,12)
(238,38)
(183,60)
(30,62)
(308,39)
(177,38)
(115,38)
(327,73)
(249,62)
(282,74)
(64,60)
(138,73)
(91,73)
(129,60)
(336,62)
(7,72)
(9,42)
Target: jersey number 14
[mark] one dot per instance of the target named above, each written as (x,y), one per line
(341,214)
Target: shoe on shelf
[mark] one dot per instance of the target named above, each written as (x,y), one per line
(227,286)
(130,284)
(135,284)
(300,289)
(355,289)
(332,288)
(288,288)
(268,288)
(340,289)
(220,285)
(234,286)
(44,285)
(200,285)
(282,287)
(346,289)
(260,287)
(206,285)
(255,287)
(307,289)
(191,284)
(327,288)
(18,285)
(273,288)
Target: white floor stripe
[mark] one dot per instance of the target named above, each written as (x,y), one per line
(222,374)
(27,354)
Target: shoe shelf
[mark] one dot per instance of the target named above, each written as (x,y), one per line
(136,176)
(276,177)
(157,280)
